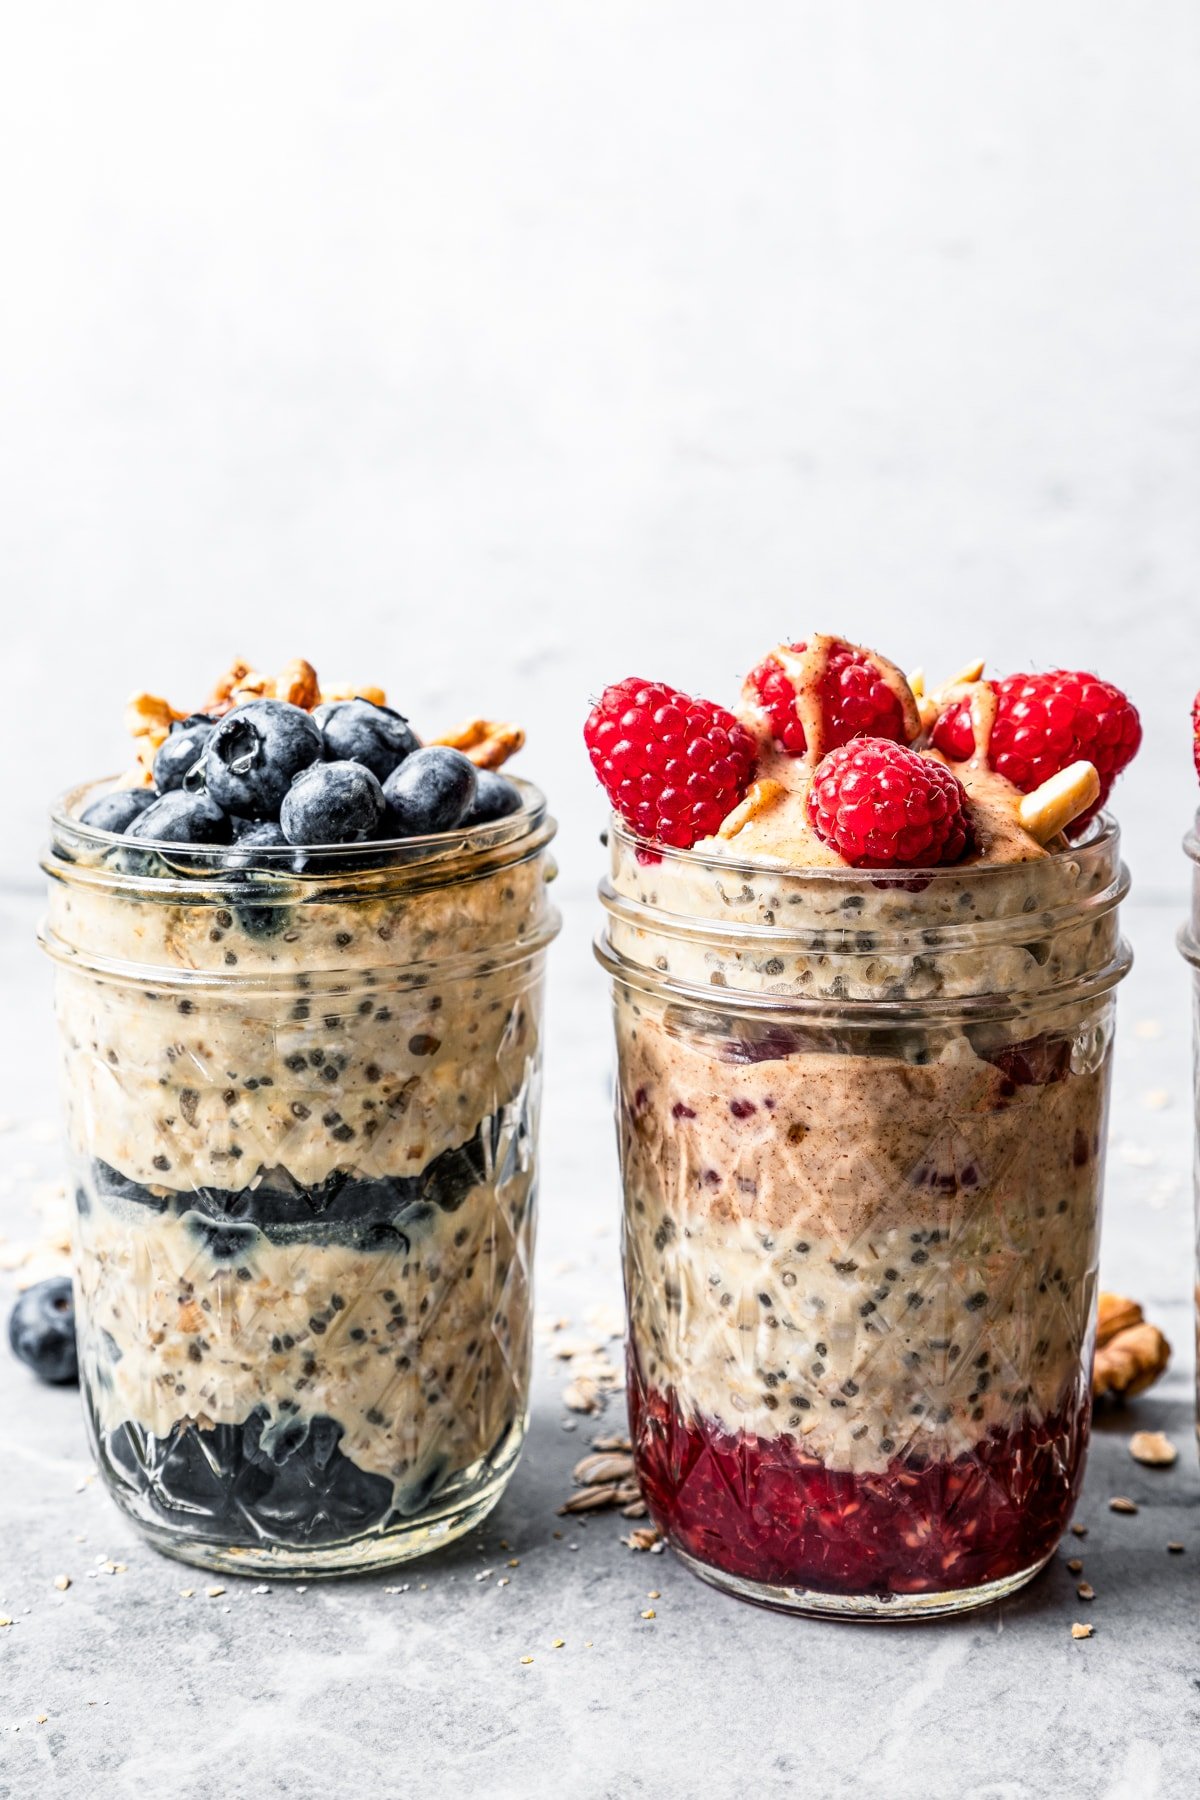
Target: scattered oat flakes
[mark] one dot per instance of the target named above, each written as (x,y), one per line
(527,1659)
(514,1562)
(1082,1631)
(645,1537)
(187,1593)
(41,1718)
(1079,1531)
(1075,1565)
(582,1396)
(4,1621)
(62,1583)
(612,1442)
(1154,1448)
(559,1644)
(214,1593)
(1119,1504)
(649,1613)
(1176,1549)
(654,1594)
(1086,1591)
(503,1581)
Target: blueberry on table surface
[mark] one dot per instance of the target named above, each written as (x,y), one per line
(117,811)
(181,750)
(182,818)
(256,752)
(495,798)
(358,731)
(432,790)
(332,803)
(41,1330)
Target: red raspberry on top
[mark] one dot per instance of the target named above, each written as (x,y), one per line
(1196,732)
(855,699)
(882,805)
(1046,722)
(672,766)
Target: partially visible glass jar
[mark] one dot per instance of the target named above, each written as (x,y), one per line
(302,1110)
(862,1124)
(1189,944)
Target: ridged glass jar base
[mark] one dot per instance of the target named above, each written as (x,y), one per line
(469,1502)
(870,1608)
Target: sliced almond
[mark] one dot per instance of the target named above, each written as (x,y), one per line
(590,1499)
(582,1396)
(604,1466)
(1051,807)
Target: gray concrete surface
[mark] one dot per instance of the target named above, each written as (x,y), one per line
(346,1690)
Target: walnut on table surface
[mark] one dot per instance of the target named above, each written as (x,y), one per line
(1131,1354)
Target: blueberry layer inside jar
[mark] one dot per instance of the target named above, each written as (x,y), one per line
(416,1346)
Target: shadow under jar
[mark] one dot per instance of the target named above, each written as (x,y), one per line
(862,1125)
(302,1110)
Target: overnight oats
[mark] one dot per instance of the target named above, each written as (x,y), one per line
(863,943)
(299,993)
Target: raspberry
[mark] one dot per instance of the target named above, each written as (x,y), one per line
(672,766)
(1196,732)
(882,805)
(855,699)
(1046,722)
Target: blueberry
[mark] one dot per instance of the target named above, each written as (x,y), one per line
(377,737)
(117,811)
(332,803)
(250,838)
(255,753)
(181,751)
(495,798)
(432,790)
(182,818)
(41,1330)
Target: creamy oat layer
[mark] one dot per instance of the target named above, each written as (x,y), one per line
(420,1352)
(379,1067)
(875,1257)
(841,934)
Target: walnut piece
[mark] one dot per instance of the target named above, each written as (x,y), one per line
(346,690)
(297,683)
(1115,1313)
(487,742)
(1130,1353)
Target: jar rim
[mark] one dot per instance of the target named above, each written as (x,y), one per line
(194,874)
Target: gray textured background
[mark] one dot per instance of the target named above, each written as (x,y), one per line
(495,352)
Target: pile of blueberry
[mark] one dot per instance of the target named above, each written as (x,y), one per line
(269,775)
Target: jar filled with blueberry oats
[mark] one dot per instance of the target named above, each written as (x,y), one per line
(862,1120)
(302,1104)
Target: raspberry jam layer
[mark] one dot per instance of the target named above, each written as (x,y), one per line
(759,1509)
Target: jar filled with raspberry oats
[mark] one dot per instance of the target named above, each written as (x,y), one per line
(862,1125)
(302,1096)
(864,994)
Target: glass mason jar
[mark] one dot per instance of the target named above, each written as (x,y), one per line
(302,1113)
(1189,944)
(861,1121)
